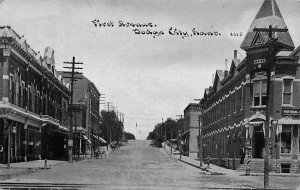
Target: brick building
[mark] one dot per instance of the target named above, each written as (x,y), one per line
(191,129)
(234,107)
(86,121)
(33,102)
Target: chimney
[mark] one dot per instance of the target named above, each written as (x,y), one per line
(225,71)
(235,54)
(213,78)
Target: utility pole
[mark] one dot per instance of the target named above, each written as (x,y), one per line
(180,135)
(73,78)
(200,121)
(99,129)
(8,140)
(109,127)
(200,139)
(271,43)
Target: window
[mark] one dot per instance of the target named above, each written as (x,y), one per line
(228,104)
(234,102)
(259,92)
(238,99)
(242,97)
(12,88)
(224,108)
(299,136)
(29,97)
(286,136)
(287,91)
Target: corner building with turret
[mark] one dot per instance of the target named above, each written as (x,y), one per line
(234,108)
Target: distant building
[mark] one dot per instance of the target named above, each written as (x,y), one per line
(191,129)
(86,121)
(234,107)
(33,102)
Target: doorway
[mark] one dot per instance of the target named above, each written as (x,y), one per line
(258,141)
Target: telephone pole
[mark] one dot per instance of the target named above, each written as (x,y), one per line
(200,138)
(180,135)
(108,106)
(72,80)
(271,43)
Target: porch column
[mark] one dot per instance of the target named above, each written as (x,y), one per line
(39,144)
(25,142)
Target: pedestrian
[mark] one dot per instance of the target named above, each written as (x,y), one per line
(208,161)
(1,152)
(243,154)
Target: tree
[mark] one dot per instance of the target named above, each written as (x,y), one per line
(112,128)
(165,131)
(129,136)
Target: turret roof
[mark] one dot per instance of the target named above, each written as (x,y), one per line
(268,14)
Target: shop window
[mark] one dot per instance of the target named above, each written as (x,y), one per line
(286,137)
(285,167)
(287,91)
(259,92)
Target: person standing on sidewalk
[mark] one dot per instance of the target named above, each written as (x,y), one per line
(207,161)
(1,153)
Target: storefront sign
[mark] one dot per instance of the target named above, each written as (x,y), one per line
(259,61)
(291,112)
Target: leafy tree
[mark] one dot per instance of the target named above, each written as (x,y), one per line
(165,131)
(129,136)
(112,128)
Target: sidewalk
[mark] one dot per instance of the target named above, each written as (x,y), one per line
(21,168)
(214,169)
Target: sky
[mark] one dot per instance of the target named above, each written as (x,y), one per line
(147,77)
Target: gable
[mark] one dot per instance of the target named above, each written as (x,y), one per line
(258,40)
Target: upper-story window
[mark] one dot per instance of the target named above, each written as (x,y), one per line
(259,92)
(287,91)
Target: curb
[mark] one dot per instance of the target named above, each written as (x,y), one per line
(193,165)
(203,169)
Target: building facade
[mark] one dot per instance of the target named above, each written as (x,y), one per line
(86,121)
(33,102)
(234,108)
(191,129)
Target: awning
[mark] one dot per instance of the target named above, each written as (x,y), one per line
(85,137)
(99,138)
(102,140)
(96,137)
(185,132)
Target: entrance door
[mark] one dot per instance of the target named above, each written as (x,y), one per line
(258,141)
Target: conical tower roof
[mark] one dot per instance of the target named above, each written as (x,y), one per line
(268,14)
